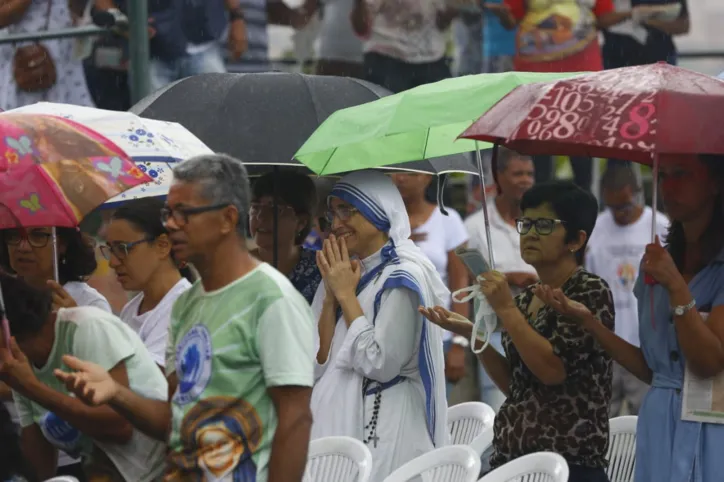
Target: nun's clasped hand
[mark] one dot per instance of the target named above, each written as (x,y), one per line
(658,263)
(341,275)
(496,290)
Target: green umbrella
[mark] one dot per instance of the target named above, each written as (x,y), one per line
(420,123)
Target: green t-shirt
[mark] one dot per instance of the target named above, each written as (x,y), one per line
(97,336)
(227,347)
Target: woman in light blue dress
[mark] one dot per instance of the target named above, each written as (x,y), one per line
(686,329)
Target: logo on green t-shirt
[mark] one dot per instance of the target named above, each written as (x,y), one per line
(59,432)
(193,364)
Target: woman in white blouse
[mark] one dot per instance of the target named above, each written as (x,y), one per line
(139,251)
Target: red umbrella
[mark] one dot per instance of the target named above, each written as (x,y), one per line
(630,113)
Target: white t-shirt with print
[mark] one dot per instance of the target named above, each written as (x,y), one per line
(614,253)
(406,30)
(152,326)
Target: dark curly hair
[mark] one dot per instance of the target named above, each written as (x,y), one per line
(26,308)
(78,262)
(712,239)
(295,189)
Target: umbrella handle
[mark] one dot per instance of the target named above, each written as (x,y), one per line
(486,216)
(54,238)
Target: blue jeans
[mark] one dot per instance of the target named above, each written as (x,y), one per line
(489,392)
(207,61)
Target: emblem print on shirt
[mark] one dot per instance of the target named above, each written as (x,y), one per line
(193,364)
(59,432)
(220,436)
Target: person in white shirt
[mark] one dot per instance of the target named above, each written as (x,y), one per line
(28,253)
(339,48)
(405,41)
(515,175)
(614,253)
(438,236)
(139,251)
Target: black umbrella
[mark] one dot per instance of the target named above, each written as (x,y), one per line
(264,118)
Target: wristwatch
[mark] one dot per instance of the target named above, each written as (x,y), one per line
(681,309)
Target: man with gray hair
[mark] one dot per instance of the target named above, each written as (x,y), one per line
(241,345)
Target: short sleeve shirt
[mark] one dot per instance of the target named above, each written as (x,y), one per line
(94,335)
(558,36)
(227,347)
(572,418)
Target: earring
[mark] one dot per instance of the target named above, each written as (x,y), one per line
(62,260)
(572,250)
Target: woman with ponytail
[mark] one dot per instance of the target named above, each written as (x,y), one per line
(139,251)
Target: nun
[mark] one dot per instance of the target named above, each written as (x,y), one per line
(379,373)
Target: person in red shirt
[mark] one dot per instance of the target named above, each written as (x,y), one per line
(557,36)
(560,36)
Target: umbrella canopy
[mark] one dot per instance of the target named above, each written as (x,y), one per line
(630,113)
(154,146)
(420,123)
(54,171)
(264,118)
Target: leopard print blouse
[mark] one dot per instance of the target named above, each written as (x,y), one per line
(572,418)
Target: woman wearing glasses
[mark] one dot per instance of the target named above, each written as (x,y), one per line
(296,203)
(379,374)
(28,253)
(139,251)
(556,378)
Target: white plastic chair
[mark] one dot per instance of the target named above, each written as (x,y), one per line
(62,478)
(338,459)
(537,467)
(454,463)
(471,423)
(622,449)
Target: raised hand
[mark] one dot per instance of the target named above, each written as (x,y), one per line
(562,304)
(90,382)
(341,275)
(448,320)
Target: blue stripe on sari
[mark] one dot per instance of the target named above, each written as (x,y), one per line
(402,279)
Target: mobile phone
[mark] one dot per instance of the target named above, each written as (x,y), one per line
(474,261)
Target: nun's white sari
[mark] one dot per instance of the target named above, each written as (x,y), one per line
(392,353)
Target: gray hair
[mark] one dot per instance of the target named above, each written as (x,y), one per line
(505,156)
(223,179)
(620,176)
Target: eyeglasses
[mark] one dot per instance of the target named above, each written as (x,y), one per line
(257,210)
(343,213)
(543,226)
(120,250)
(180,216)
(35,238)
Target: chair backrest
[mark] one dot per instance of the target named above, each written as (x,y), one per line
(454,463)
(62,478)
(537,467)
(338,459)
(622,449)
(471,423)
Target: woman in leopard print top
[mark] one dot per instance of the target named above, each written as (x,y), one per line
(557,379)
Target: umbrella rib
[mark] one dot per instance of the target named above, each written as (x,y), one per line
(424,149)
